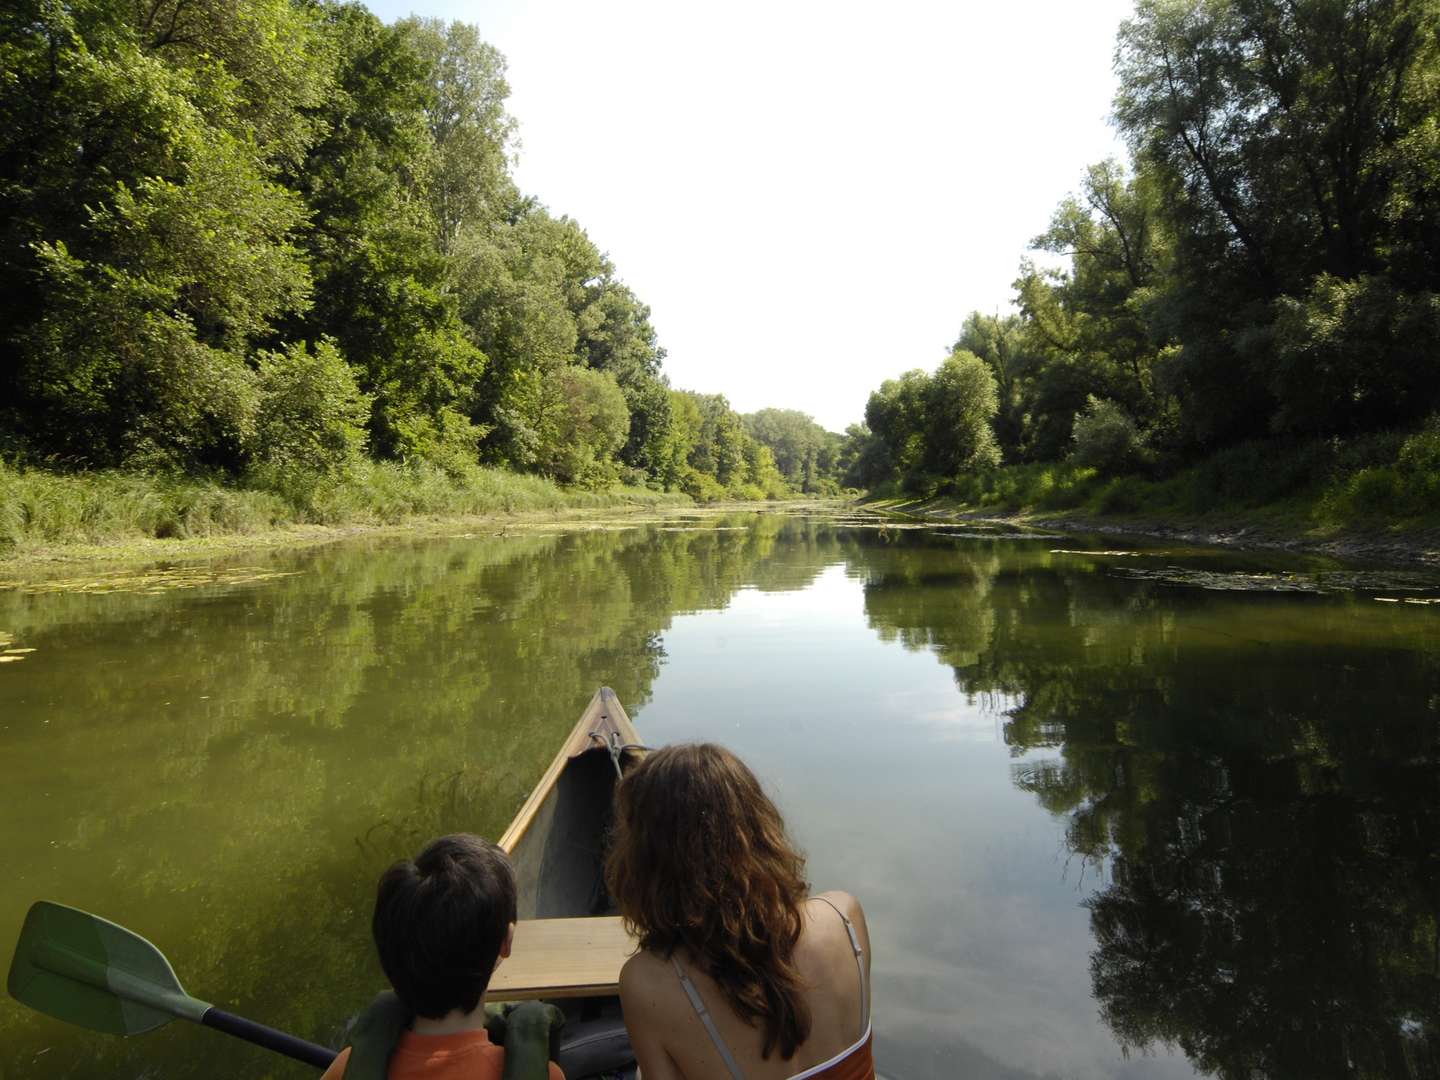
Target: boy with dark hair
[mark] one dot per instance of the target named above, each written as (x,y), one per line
(443,922)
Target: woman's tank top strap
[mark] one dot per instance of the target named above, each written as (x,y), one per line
(856,1059)
(705,1018)
(860,962)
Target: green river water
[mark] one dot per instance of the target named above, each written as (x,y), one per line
(1112,812)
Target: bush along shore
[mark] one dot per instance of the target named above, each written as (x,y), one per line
(1374,497)
(119,512)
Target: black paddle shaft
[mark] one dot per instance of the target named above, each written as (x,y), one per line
(268,1037)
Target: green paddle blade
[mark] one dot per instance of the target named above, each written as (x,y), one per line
(85,970)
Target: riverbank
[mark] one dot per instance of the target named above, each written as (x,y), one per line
(1281,529)
(48,518)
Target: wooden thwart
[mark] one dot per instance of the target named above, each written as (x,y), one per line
(563,958)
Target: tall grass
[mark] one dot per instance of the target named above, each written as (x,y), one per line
(42,508)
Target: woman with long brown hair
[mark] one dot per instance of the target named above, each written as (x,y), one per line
(740,972)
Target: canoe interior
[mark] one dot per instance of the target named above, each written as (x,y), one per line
(557,845)
(559,861)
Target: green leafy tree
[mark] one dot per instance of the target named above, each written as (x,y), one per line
(381,289)
(895,414)
(468,181)
(863,461)
(959,403)
(585,425)
(310,423)
(1354,355)
(148,248)
(1280,135)
(515,284)
(1106,437)
(1001,343)
(804,451)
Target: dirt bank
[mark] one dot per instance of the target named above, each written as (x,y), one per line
(1245,532)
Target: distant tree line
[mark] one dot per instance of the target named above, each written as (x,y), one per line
(266,240)
(1266,267)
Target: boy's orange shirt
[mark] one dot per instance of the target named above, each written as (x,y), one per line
(466,1055)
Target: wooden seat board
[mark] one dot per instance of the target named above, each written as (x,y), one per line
(563,958)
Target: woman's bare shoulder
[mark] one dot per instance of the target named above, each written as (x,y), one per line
(842,900)
(850,907)
(648,984)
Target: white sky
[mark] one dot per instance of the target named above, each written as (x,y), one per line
(810,196)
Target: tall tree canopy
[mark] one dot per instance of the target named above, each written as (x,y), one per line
(228,230)
(1267,265)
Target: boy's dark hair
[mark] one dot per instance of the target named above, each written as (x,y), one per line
(440,921)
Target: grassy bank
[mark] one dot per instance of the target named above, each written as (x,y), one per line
(44,512)
(1375,495)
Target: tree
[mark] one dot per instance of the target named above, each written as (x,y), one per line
(959,403)
(585,424)
(863,461)
(468,181)
(1281,137)
(1001,343)
(801,447)
(147,247)
(381,279)
(895,414)
(1105,437)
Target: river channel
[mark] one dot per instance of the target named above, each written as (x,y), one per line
(1114,809)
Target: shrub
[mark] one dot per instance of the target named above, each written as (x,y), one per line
(1123,495)
(702,487)
(1105,437)
(1408,485)
(310,424)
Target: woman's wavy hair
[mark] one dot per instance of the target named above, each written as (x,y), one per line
(700,860)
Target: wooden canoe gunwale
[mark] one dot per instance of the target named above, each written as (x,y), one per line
(603,715)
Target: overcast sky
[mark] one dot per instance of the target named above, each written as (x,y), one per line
(810,196)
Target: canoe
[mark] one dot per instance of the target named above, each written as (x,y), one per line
(569,942)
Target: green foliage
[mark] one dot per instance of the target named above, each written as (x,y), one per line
(1106,438)
(863,461)
(895,415)
(1406,487)
(1354,355)
(587,425)
(804,453)
(1281,173)
(468,182)
(960,401)
(40,508)
(1265,265)
(1060,486)
(137,271)
(310,424)
(190,189)
(931,429)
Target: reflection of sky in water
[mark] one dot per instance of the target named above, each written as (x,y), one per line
(899,789)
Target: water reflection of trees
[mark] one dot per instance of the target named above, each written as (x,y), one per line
(229,769)
(1259,778)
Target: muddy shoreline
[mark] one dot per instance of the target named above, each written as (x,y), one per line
(1410,548)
